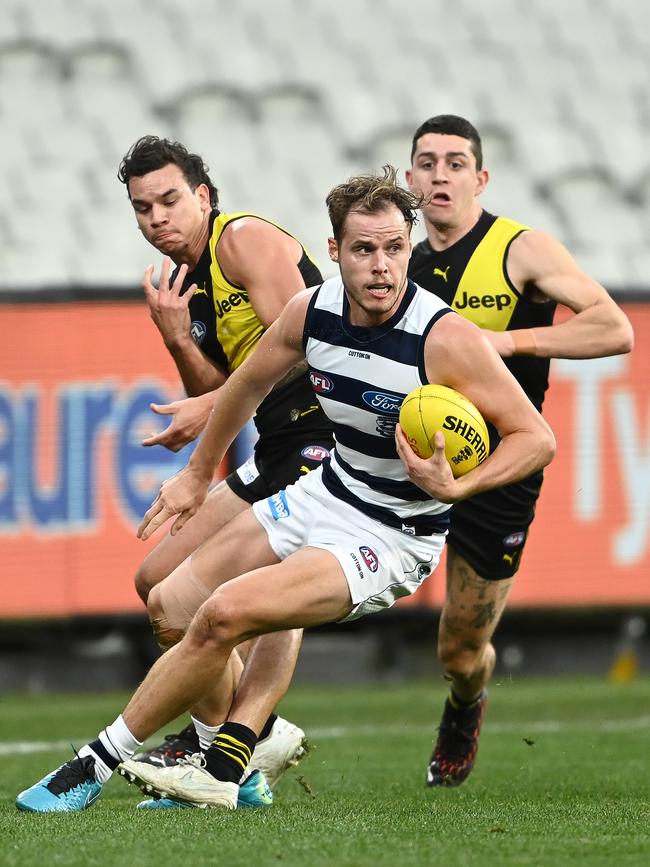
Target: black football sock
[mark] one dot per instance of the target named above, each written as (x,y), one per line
(230,752)
(268,725)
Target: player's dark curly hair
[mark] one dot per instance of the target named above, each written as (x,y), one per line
(370,193)
(451,124)
(151,153)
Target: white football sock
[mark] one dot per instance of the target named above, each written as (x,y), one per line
(114,744)
(205,732)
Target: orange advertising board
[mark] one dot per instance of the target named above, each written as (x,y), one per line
(75,388)
(76,380)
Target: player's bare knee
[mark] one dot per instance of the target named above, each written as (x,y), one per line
(219,621)
(460,659)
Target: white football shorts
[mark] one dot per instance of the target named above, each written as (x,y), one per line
(380,563)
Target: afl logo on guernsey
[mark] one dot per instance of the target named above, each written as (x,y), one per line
(369,558)
(382,402)
(198,332)
(514,540)
(320,383)
(315,453)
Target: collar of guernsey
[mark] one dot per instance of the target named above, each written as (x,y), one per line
(238,328)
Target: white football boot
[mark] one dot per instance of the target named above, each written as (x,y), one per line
(281,749)
(186,781)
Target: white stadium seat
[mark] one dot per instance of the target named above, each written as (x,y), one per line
(285,99)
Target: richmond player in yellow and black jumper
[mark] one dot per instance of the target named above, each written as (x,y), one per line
(234,274)
(507,279)
(294,435)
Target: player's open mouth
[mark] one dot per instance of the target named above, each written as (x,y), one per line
(380,291)
(440,198)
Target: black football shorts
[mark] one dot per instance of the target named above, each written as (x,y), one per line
(274,464)
(490,530)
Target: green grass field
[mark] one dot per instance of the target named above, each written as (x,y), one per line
(563,778)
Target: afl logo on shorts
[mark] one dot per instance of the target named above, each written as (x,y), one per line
(198,332)
(514,540)
(369,558)
(320,383)
(315,453)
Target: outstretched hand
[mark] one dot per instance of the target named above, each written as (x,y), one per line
(181,495)
(432,474)
(168,308)
(188,418)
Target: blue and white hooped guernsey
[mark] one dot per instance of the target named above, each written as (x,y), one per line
(361,376)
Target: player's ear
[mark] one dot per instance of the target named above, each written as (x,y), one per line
(482,178)
(203,194)
(409,177)
(333,249)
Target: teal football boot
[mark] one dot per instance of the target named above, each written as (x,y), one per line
(68,789)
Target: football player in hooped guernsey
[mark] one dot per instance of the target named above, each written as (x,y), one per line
(350,537)
(507,279)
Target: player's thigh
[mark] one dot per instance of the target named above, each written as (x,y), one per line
(473,605)
(219,508)
(307,588)
(237,548)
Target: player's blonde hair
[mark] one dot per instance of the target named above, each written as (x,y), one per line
(368,194)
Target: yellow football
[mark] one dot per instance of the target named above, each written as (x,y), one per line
(431,408)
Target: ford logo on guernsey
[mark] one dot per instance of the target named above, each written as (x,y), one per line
(382,402)
(369,558)
(198,332)
(315,453)
(279,506)
(320,383)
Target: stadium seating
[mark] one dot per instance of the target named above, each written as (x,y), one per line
(287,98)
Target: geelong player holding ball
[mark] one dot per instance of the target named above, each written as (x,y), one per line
(345,540)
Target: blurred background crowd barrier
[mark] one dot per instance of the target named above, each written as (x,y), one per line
(286,98)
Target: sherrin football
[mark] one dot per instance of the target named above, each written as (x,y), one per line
(431,408)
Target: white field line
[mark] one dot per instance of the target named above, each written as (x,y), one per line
(372,731)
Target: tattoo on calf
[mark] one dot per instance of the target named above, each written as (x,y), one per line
(485,614)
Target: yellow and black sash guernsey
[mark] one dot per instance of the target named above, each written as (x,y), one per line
(471,276)
(224,323)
